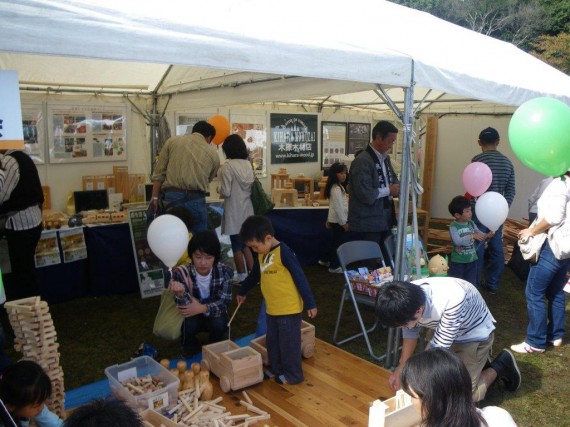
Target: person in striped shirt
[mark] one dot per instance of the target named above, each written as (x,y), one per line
(21,200)
(503,182)
(461,321)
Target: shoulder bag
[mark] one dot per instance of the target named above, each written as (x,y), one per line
(168,320)
(262,203)
(531,246)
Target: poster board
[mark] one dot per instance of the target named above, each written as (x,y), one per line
(333,137)
(252,128)
(81,133)
(149,269)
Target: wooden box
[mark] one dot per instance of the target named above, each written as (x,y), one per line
(156,419)
(397,411)
(236,367)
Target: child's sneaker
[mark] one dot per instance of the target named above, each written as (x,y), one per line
(281,380)
(324,263)
(335,270)
(267,374)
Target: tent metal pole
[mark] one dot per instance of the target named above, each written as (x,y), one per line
(392,352)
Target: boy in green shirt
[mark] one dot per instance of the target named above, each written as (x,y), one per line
(464,234)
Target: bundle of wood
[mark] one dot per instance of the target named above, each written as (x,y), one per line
(36,339)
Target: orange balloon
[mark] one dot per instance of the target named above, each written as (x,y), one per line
(222,126)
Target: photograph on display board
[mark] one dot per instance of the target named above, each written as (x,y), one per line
(255,137)
(294,138)
(73,244)
(333,137)
(186,121)
(47,250)
(358,137)
(33,130)
(87,134)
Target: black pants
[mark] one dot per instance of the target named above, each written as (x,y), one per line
(22,283)
(338,235)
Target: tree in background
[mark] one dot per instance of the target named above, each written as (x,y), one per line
(541,27)
(554,50)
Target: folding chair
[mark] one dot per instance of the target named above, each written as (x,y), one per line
(348,253)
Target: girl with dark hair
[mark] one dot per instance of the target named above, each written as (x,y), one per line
(338,215)
(24,389)
(440,387)
(203,292)
(236,179)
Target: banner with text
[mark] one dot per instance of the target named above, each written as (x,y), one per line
(294,138)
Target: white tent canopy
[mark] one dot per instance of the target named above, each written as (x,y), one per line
(230,52)
(236,43)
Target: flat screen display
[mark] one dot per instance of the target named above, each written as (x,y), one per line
(89,200)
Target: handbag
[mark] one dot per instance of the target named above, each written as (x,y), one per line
(262,203)
(531,246)
(168,320)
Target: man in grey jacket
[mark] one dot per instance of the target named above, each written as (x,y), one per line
(372,186)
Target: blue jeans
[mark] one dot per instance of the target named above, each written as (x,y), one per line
(496,262)
(466,271)
(546,279)
(196,204)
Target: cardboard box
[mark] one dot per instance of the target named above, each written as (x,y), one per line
(158,400)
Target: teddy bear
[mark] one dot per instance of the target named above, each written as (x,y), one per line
(438,266)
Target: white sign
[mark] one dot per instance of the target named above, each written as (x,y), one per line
(11,133)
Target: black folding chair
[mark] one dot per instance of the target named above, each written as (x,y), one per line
(348,253)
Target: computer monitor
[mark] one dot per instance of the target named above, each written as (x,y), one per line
(89,200)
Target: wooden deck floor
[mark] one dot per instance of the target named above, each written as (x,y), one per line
(337,391)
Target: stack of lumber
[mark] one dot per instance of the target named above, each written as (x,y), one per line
(511,230)
(36,339)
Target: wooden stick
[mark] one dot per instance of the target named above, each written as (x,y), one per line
(235,312)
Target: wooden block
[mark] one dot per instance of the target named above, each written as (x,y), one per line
(136,187)
(121,174)
(88,183)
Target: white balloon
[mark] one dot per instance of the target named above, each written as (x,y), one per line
(167,237)
(492,210)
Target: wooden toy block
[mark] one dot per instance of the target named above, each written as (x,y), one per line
(307,343)
(235,367)
(397,411)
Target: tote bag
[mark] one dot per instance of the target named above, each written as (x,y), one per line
(531,246)
(262,203)
(168,321)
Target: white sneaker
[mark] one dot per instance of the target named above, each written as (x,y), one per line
(335,270)
(525,348)
(556,343)
(324,263)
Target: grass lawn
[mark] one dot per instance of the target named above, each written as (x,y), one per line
(97,332)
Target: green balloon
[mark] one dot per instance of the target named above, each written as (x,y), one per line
(539,133)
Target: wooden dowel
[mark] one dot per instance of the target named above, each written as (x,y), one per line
(235,312)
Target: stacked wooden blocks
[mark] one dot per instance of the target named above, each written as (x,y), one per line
(36,339)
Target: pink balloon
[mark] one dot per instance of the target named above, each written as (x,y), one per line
(477,178)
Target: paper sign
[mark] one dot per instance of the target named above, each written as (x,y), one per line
(127,374)
(11,131)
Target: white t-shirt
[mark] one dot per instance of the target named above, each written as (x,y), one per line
(497,417)
(203,283)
